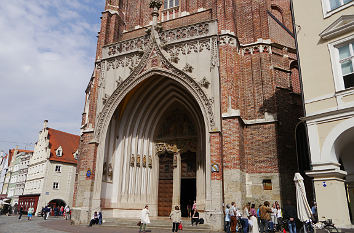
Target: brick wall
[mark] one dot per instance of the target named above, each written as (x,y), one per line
(257,84)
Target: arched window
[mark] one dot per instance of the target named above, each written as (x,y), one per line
(278,13)
(295,78)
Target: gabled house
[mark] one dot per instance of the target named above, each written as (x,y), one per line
(51,173)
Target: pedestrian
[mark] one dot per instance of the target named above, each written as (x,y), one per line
(94,219)
(259,217)
(44,213)
(253,219)
(314,212)
(144,218)
(56,211)
(175,216)
(61,210)
(227,219)
(244,217)
(100,218)
(273,218)
(279,217)
(189,209)
(264,212)
(194,205)
(20,213)
(48,209)
(233,220)
(195,217)
(30,213)
(290,214)
(67,213)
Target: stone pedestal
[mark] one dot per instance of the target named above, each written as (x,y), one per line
(331,196)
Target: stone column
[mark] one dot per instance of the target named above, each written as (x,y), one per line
(176,197)
(331,196)
(351,196)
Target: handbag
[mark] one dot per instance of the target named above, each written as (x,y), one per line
(180,227)
(139,223)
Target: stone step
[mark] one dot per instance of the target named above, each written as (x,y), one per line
(163,224)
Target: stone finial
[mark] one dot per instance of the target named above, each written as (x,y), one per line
(45,124)
(155,4)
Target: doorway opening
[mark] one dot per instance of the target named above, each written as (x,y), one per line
(188,195)
(188,182)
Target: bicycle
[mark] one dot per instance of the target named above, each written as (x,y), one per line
(310,227)
(329,226)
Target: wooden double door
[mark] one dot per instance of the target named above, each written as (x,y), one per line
(188,182)
(165,184)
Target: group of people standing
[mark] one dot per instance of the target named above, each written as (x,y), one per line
(175,216)
(262,219)
(58,211)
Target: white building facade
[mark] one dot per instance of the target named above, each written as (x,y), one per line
(3,168)
(51,171)
(18,169)
(325,35)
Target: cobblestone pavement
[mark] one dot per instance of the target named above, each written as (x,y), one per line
(11,224)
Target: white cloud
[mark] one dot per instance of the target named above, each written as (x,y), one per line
(47,50)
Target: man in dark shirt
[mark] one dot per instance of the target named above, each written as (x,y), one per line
(290,214)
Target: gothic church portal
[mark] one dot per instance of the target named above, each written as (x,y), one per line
(189,100)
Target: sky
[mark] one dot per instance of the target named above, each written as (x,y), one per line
(47,51)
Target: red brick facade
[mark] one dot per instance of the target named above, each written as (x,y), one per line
(257,82)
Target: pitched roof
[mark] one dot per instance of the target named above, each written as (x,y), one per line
(12,152)
(68,142)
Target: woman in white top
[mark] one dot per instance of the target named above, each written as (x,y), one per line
(253,219)
(144,218)
(279,216)
(273,218)
(244,218)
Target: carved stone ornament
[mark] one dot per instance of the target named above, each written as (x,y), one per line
(132,161)
(119,81)
(204,83)
(188,68)
(144,161)
(197,30)
(138,160)
(155,4)
(165,147)
(110,172)
(150,161)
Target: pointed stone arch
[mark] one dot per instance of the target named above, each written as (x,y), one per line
(139,75)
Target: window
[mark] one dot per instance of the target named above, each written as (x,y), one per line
(331,7)
(58,168)
(342,56)
(55,185)
(170,3)
(59,151)
(334,4)
(346,61)
(267,184)
(76,154)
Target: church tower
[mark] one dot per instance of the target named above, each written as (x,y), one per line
(189,100)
